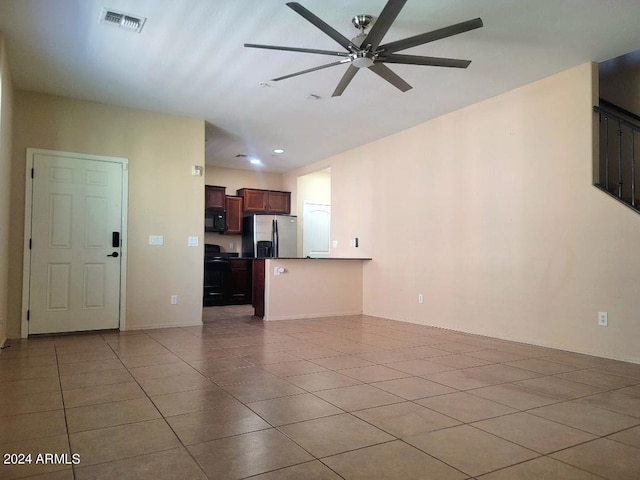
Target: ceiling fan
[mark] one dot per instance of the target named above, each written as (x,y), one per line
(365,51)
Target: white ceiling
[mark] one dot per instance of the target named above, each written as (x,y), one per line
(190,60)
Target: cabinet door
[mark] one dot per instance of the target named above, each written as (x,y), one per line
(240,281)
(214,197)
(258,274)
(234,215)
(279,202)
(255,200)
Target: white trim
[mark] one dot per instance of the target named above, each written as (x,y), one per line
(154,326)
(26,263)
(311,315)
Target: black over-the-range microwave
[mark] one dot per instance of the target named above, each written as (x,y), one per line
(215,221)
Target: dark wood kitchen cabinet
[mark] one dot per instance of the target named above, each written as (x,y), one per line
(214,197)
(265,201)
(233,206)
(240,281)
(258,274)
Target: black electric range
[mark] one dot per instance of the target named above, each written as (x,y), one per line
(217,275)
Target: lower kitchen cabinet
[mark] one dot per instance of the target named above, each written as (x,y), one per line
(258,287)
(239,291)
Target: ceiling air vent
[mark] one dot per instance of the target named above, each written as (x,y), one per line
(127,21)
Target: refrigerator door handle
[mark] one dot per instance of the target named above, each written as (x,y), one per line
(276,239)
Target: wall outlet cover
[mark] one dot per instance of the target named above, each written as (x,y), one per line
(603,319)
(156,240)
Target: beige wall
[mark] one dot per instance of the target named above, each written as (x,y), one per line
(6,101)
(314,187)
(312,288)
(234,179)
(490,213)
(164,198)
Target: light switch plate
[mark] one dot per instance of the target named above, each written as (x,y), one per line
(156,240)
(192,241)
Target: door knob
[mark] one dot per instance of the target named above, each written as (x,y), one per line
(114,254)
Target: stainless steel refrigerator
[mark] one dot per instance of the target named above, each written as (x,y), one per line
(266,235)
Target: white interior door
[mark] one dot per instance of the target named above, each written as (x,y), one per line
(74,277)
(316,229)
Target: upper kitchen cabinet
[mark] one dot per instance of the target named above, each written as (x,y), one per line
(233,206)
(214,197)
(265,201)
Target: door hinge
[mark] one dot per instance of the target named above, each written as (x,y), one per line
(33,173)
(30,243)
(28,315)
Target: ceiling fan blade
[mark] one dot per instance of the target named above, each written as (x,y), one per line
(386,73)
(296,49)
(308,70)
(345,80)
(383,23)
(419,60)
(322,25)
(432,36)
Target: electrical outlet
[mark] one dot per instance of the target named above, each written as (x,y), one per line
(420,298)
(174,299)
(603,319)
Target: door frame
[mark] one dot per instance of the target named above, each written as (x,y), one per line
(26,264)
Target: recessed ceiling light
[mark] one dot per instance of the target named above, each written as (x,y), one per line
(255,161)
(278,150)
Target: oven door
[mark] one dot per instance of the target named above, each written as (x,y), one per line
(216,279)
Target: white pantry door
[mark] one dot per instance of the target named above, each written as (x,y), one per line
(75,255)
(316,229)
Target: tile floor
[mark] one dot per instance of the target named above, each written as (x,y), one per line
(354,398)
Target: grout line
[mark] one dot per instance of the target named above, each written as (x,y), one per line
(64,410)
(318,336)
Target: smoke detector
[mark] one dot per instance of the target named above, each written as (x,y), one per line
(127,21)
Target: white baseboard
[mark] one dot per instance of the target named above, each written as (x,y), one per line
(312,315)
(161,325)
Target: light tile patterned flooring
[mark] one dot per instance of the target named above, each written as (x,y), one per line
(354,398)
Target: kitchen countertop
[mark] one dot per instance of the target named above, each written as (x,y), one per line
(304,258)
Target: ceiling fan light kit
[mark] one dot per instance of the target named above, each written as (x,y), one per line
(361,59)
(365,50)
